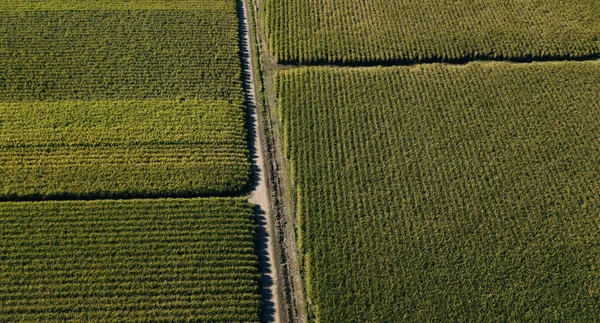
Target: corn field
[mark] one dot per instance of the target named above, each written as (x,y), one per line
(124,99)
(447,193)
(107,99)
(373,32)
(61,5)
(95,149)
(128,261)
(119,54)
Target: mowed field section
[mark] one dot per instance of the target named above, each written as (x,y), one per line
(121,99)
(447,193)
(377,32)
(184,260)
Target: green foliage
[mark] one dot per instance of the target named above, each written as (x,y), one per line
(393,31)
(128,261)
(447,193)
(61,55)
(92,149)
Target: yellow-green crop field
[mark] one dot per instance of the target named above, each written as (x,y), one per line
(218,6)
(99,149)
(441,193)
(189,260)
(373,32)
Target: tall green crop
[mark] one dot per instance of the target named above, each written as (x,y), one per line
(374,32)
(119,54)
(128,261)
(447,193)
(120,99)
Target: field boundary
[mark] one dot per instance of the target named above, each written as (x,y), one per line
(278,171)
(272,282)
(462,61)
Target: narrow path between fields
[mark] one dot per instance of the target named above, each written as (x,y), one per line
(270,286)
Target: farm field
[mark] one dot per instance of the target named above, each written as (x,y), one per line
(121,99)
(135,260)
(53,5)
(447,193)
(124,100)
(374,32)
(119,54)
(99,149)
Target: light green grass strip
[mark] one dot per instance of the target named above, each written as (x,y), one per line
(121,148)
(129,261)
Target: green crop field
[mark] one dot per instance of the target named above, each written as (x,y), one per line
(137,260)
(399,31)
(447,193)
(119,54)
(122,148)
(120,99)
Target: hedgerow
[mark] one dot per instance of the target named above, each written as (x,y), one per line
(359,32)
(128,261)
(447,193)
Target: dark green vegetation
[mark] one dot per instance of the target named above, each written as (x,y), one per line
(121,148)
(447,193)
(137,260)
(400,31)
(118,54)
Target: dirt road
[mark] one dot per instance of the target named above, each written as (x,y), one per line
(269,283)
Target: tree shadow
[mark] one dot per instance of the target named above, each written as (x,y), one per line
(267,311)
(249,98)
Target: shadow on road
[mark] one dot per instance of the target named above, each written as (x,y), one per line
(265,282)
(267,311)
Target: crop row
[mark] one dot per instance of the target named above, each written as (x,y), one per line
(62,55)
(372,32)
(76,262)
(54,5)
(447,193)
(122,148)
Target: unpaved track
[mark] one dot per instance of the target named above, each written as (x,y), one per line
(270,285)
